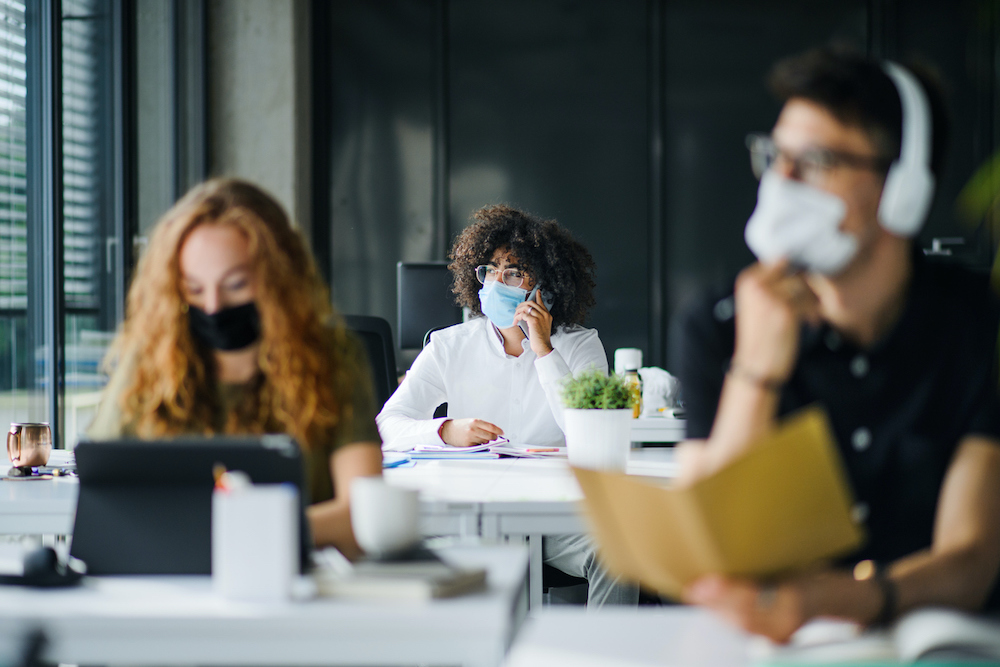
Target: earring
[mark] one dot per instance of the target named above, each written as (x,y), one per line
(184,308)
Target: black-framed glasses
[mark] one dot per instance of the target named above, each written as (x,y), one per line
(811,165)
(511,277)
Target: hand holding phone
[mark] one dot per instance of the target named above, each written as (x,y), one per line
(535,320)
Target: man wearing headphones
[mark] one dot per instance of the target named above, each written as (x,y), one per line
(841,309)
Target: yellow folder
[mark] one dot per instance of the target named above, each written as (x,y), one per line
(782,506)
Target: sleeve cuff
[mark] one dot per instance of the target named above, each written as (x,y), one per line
(426,433)
(437,430)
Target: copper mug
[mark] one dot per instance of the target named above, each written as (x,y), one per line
(29,445)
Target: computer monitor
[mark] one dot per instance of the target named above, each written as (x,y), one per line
(426,301)
(145,506)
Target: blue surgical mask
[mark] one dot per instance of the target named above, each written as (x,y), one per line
(499,301)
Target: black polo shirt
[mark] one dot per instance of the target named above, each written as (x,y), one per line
(898,409)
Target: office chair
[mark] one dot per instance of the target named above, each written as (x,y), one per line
(426,301)
(441,410)
(427,336)
(376,334)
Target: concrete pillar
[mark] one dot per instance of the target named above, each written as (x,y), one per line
(154,99)
(259,97)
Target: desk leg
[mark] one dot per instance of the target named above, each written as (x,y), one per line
(489,529)
(468,525)
(534,572)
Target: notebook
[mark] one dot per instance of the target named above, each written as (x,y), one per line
(782,506)
(930,634)
(145,506)
(418,575)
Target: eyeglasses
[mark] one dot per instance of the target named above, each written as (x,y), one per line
(511,277)
(811,165)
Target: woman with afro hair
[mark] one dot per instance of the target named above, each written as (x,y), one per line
(531,286)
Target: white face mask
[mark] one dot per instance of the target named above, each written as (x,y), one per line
(799,222)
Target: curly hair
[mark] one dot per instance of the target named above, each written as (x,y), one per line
(547,252)
(304,375)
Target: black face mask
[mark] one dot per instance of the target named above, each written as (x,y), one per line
(227,329)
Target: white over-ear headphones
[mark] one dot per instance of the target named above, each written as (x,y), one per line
(909,185)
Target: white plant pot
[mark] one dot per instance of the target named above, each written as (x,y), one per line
(598,439)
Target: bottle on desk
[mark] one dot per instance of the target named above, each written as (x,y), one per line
(635,385)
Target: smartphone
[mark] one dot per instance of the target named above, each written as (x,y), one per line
(546,299)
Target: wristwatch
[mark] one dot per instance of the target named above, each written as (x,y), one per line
(870,570)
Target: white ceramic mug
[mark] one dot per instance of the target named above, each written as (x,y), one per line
(385,518)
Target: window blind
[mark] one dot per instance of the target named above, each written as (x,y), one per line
(81,151)
(13,171)
(82,242)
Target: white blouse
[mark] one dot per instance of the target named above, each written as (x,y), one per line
(466,366)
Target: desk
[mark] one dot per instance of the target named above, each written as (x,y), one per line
(500,500)
(44,507)
(510,500)
(37,507)
(693,637)
(453,492)
(658,429)
(458,496)
(179,621)
(645,637)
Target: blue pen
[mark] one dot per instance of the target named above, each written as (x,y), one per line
(396,463)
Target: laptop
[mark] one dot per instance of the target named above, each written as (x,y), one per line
(145,506)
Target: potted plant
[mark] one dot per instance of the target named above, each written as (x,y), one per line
(598,419)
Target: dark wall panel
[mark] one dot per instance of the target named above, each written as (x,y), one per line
(957,39)
(718,53)
(376,151)
(429,109)
(548,109)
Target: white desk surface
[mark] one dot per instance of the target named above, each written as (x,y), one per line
(514,480)
(37,506)
(644,637)
(658,429)
(496,497)
(41,507)
(179,621)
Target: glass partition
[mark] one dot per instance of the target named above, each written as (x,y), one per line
(89,240)
(61,230)
(19,398)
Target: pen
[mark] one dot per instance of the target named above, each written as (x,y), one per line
(535,450)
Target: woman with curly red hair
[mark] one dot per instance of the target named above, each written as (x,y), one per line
(532,284)
(228,330)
